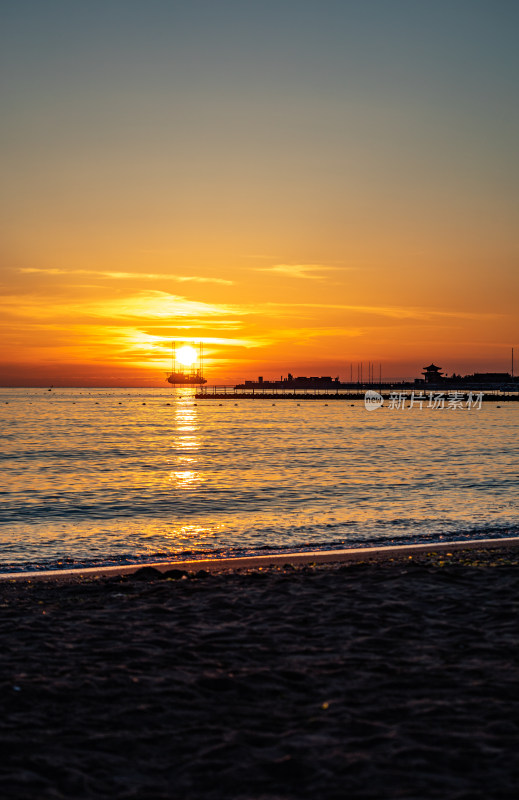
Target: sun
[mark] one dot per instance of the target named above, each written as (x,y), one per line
(187,355)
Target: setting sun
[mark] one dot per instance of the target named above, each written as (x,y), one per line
(186,355)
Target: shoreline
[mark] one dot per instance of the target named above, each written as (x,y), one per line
(386,553)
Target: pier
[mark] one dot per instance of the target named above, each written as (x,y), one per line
(354,392)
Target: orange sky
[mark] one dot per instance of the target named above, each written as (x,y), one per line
(300,191)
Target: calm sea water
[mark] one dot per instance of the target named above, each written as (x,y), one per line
(108,476)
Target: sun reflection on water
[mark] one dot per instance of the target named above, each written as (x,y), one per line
(185,474)
(185,480)
(193,535)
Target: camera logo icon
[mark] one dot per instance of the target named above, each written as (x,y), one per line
(373,400)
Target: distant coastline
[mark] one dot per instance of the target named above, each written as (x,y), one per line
(432,378)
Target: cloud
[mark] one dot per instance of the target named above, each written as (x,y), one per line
(149,276)
(394,312)
(195,323)
(159,305)
(176,310)
(297,270)
(140,338)
(145,305)
(316,332)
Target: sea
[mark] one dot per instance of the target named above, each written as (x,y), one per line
(99,477)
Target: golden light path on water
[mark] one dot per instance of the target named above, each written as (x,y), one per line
(108,476)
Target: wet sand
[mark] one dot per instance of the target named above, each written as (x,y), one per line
(374,678)
(343,556)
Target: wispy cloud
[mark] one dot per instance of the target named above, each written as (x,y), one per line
(140,337)
(315,332)
(298,270)
(146,305)
(159,305)
(112,275)
(154,305)
(394,312)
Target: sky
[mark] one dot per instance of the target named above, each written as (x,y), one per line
(302,185)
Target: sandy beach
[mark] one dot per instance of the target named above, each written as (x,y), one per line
(379,677)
